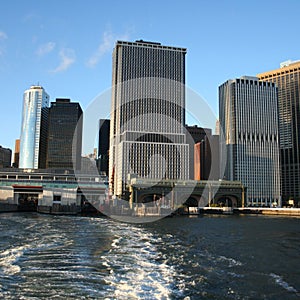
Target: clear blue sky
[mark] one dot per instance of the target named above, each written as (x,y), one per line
(66,45)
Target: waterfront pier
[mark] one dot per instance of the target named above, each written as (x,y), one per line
(150,197)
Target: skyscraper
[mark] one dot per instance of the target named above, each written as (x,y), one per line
(33,140)
(287,78)
(250,144)
(103,145)
(64,135)
(147,135)
(5,157)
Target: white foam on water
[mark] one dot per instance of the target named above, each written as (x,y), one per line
(235,275)
(136,268)
(231,261)
(8,259)
(279,280)
(115,242)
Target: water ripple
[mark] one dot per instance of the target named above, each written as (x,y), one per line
(48,257)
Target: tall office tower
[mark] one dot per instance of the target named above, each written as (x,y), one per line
(64,135)
(103,146)
(5,157)
(287,79)
(16,154)
(147,135)
(33,140)
(248,111)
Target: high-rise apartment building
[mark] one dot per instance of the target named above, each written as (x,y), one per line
(287,79)
(147,134)
(64,135)
(33,140)
(248,111)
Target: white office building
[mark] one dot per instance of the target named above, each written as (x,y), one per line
(147,134)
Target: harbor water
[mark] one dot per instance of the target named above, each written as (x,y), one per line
(207,257)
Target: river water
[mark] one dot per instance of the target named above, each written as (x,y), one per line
(211,257)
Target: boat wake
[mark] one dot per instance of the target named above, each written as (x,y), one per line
(137,269)
(279,280)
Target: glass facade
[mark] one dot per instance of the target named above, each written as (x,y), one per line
(287,78)
(64,135)
(5,157)
(33,140)
(250,146)
(103,145)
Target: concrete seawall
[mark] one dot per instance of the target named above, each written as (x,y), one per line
(250,210)
(7,207)
(269,211)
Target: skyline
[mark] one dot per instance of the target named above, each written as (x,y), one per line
(72,59)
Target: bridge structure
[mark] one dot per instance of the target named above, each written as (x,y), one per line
(173,194)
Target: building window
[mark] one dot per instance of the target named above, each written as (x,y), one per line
(57,198)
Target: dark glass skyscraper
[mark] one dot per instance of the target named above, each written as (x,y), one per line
(287,78)
(64,135)
(103,146)
(5,157)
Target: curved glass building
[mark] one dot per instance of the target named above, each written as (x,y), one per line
(33,140)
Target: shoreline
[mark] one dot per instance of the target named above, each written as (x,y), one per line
(294,212)
(200,211)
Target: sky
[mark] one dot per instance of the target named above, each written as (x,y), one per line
(66,46)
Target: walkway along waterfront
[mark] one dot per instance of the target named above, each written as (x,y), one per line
(250,210)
